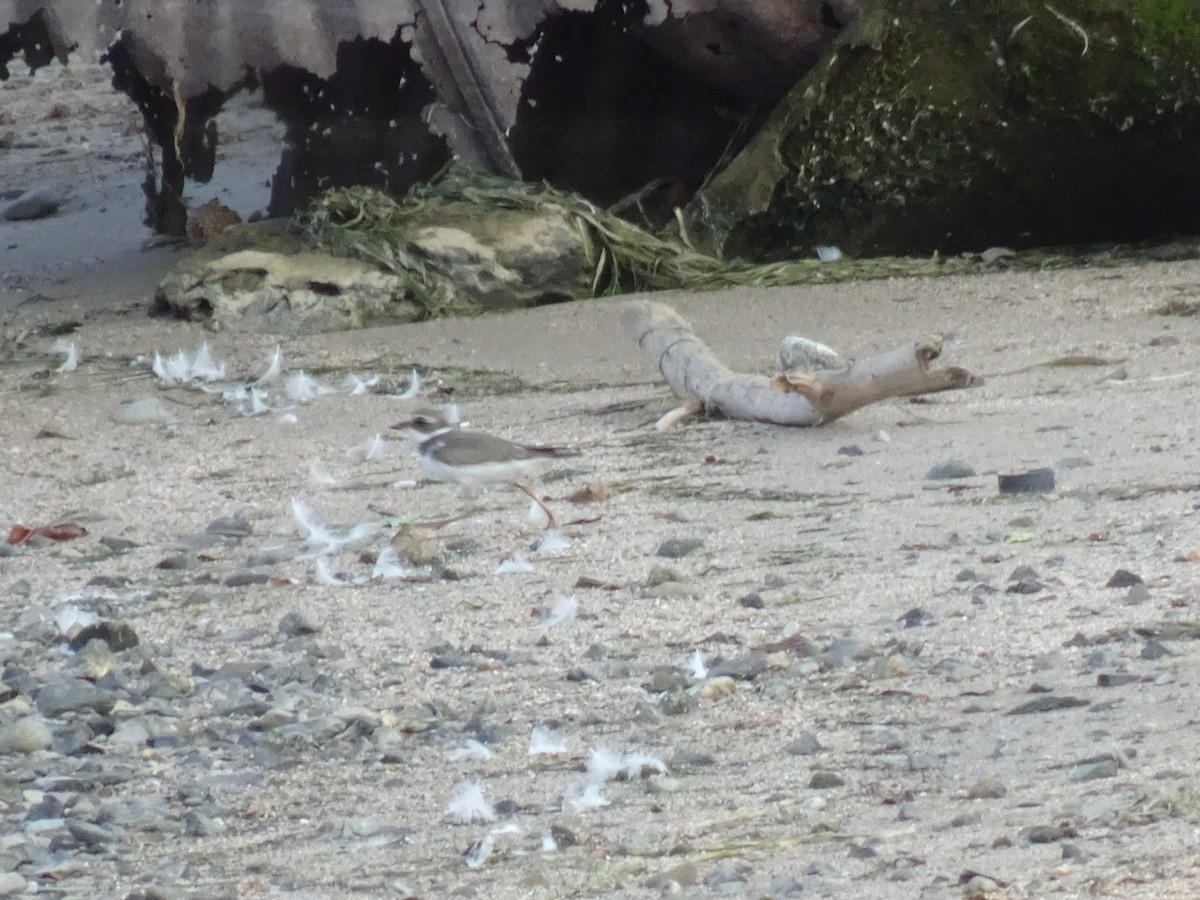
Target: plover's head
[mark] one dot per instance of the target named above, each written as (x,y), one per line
(425,423)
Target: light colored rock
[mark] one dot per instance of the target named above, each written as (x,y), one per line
(26,735)
(255,290)
(36,203)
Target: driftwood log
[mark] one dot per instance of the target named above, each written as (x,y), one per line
(817,386)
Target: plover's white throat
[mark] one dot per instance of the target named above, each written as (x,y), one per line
(450,453)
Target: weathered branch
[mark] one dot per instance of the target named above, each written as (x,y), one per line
(799,397)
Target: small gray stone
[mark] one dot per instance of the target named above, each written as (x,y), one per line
(131,732)
(806,744)
(1093,771)
(1155,650)
(953,669)
(986,789)
(28,734)
(685,758)
(924,761)
(247,579)
(1102,809)
(883,737)
(977,887)
(12,883)
(949,470)
(296,624)
(1104,658)
(821,781)
(1116,679)
(677,548)
(665,678)
(37,203)
(784,886)
(1123,578)
(1043,684)
(197,824)
(234,526)
(823,869)
(963,820)
(916,617)
(682,875)
(1048,703)
(90,834)
(746,667)
(1138,594)
(843,651)
(1043,834)
(56,697)
(908,812)
(1035,481)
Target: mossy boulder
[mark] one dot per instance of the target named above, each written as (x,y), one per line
(935,126)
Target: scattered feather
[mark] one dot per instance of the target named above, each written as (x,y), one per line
(639,765)
(327,578)
(205,367)
(562,613)
(549,844)
(699,668)
(181,369)
(582,795)
(70,617)
(828,253)
(172,370)
(388,565)
(535,515)
(603,765)
(551,541)
(320,537)
(372,448)
(288,418)
(302,387)
(274,367)
(71,363)
(246,400)
(319,476)
(470,751)
(468,805)
(516,563)
(414,387)
(479,852)
(545,741)
(353,385)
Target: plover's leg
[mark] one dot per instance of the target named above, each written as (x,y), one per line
(550,523)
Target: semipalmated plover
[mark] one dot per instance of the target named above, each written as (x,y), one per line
(464,456)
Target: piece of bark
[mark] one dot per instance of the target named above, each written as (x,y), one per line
(798,398)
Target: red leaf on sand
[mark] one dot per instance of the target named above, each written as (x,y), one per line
(19,534)
(65,531)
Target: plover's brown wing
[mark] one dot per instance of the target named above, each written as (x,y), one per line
(474,448)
